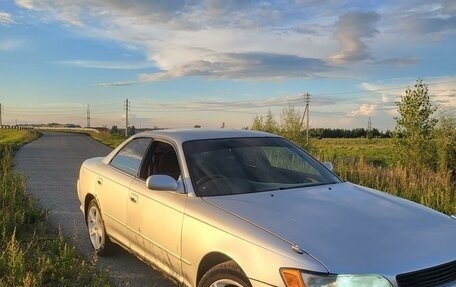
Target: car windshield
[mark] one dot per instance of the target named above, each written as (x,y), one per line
(246,165)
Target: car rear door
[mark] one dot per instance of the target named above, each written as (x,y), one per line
(155,216)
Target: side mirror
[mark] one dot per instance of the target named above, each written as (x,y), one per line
(162,182)
(328,165)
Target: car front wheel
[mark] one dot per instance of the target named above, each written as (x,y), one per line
(97,233)
(226,274)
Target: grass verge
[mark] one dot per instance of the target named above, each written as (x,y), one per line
(107,138)
(31,254)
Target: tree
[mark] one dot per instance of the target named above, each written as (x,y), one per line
(446,142)
(289,127)
(266,123)
(414,128)
(257,124)
(270,125)
(114,130)
(131,130)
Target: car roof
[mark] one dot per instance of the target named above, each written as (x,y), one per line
(184,135)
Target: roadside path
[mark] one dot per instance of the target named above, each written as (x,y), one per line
(51,166)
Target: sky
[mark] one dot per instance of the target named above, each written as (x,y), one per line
(211,63)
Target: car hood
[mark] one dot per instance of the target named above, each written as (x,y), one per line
(351,229)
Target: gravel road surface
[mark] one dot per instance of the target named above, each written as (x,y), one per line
(51,166)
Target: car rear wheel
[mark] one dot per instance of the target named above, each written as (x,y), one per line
(97,233)
(226,274)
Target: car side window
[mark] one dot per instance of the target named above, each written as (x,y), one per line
(129,158)
(161,159)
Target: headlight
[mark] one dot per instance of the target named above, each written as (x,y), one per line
(296,278)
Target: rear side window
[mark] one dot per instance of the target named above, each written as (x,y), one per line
(129,158)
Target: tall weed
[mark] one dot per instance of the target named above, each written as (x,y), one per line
(435,189)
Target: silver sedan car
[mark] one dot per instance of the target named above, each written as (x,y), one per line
(243,208)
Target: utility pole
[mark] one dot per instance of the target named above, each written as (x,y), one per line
(369,128)
(126,118)
(306,114)
(1,124)
(88,116)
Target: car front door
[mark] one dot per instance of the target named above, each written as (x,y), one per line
(114,187)
(155,216)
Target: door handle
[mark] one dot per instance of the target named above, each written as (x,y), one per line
(100,181)
(134,198)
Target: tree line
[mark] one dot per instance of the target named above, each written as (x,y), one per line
(347,133)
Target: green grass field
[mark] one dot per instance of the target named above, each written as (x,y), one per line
(375,151)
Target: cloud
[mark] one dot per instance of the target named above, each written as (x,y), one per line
(106,65)
(244,66)
(239,39)
(117,84)
(393,89)
(442,91)
(407,61)
(9,45)
(28,4)
(5,18)
(197,38)
(364,110)
(385,99)
(352,27)
(66,11)
(430,25)
(424,18)
(449,7)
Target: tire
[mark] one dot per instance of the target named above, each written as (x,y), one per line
(226,274)
(97,232)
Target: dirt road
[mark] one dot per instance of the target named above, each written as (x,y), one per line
(51,165)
